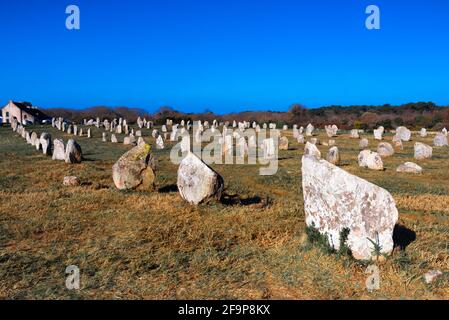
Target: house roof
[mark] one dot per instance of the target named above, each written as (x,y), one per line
(28,108)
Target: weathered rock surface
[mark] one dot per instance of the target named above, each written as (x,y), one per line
(364,143)
(311,150)
(197,182)
(384,149)
(371,160)
(45,141)
(135,169)
(283,143)
(73,153)
(409,167)
(403,133)
(440,140)
(71,181)
(333,156)
(335,200)
(423,151)
(58,150)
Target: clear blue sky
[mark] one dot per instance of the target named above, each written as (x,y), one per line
(227,56)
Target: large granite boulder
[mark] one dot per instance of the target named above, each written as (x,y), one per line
(371,160)
(73,153)
(197,182)
(422,151)
(135,170)
(336,201)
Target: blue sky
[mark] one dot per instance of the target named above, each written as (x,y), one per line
(226,56)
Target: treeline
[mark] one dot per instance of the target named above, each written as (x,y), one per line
(413,115)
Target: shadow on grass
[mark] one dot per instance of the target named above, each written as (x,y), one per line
(168,189)
(402,236)
(232,200)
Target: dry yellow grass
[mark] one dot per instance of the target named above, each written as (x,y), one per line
(138,245)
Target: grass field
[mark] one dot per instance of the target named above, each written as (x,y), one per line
(252,245)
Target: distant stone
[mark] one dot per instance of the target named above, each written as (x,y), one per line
(315,141)
(197,182)
(140,141)
(283,143)
(45,141)
(378,134)
(73,153)
(335,201)
(58,150)
(403,133)
(104,137)
(159,142)
(135,169)
(311,150)
(113,138)
(384,149)
(423,133)
(309,130)
(129,140)
(71,181)
(33,138)
(333,156)
(397,142)
(355,134)
(371,160)
(440,140)
(363,143)
(331,143)
(301,139)
(423,151)
(409,167)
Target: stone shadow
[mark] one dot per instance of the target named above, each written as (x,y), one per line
(403,236)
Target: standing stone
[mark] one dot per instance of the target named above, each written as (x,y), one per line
(311,150)
(309,130)
(301,139)
(197,182)
(269,149)
(113,138)
(33,138)
(409,167)
(384,149)
(423,133)
(45,141)
(440,140)
(185,143)
(89,135)
(444,131)
(397,142)
(135,169)
(242,147)
(335,201)
(58,150)
(422,151)
(370,160)
(403,133)
(104,137)
(378,134)
(140,141)
(355,134)
(159,143)
(129,140)
(73,153)
(363,143)
(333,156)
(283,143)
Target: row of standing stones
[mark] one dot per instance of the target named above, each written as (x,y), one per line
(334,200)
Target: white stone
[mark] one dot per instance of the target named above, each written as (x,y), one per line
(371,160)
